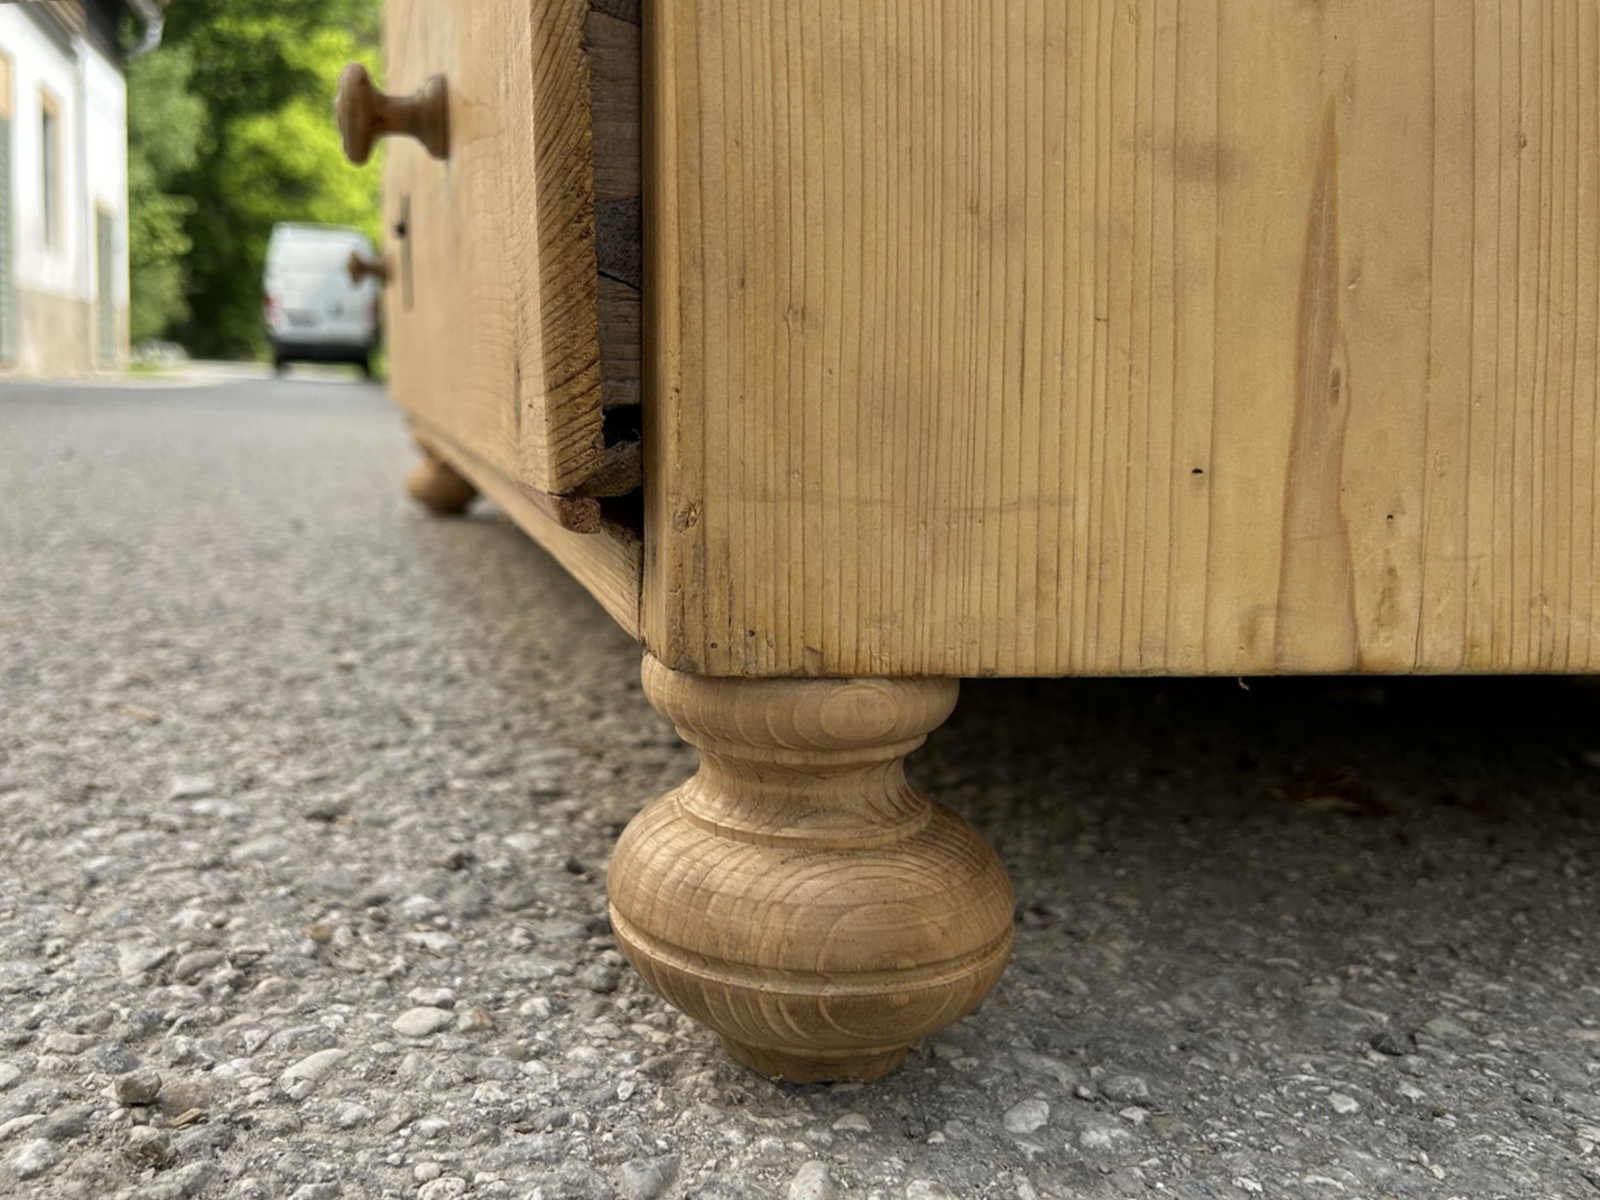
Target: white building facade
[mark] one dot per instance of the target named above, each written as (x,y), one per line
(63,188)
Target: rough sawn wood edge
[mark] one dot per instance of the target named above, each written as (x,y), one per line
(609,562)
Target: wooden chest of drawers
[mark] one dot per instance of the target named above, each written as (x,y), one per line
(842,350)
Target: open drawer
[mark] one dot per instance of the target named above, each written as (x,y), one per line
(508,335)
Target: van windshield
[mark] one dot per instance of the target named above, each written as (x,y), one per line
(314,251)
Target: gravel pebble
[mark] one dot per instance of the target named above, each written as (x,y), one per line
(67,1123)
(647,1178)
(301,1078)
(350,1115)
(113,1058)
(19,1125)
(603,980)
(1102,1136)
(33,1158)
(135,961)
(197,963)
(191,787)
(812,1182)
(136,1087)
(1026,1117)
(148,1146)
(421,1021)
(446,1187)
(1447,1029)
(1126,1089)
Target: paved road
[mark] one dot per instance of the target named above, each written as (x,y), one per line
(284,762)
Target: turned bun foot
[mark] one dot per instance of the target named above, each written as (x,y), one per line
(797,895)
(439,487)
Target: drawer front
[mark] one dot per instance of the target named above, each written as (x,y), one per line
(492,311)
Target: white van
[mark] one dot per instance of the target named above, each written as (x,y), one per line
(313,312)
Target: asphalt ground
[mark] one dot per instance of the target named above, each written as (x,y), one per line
(285,763)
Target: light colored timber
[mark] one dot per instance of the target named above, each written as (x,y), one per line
(493,333)
(1098,336)
(608,562)
(438,486)
(797,895)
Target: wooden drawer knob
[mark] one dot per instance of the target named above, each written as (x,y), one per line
(362,269)
(365,114)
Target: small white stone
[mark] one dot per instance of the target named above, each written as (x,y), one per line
(1103,1135)
(1344,1105)
(191,787)
(9,1074)
(348,1116)
(136,1087)
(852,1123)
(1135,1115)
(434,941)
(197,963)
(812,1182)
(426,1172)
(300,1079)
(422,1021)
(1027,1117)
(431,1127)
(447,1187)
(926,1189)
(420,908)
(134,960)
(1412,1092)
(35,1158)
(9,1129)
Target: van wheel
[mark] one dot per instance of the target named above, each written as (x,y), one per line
(365,363)
(280,366)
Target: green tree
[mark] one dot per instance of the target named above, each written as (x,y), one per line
(164,122)
(265,72)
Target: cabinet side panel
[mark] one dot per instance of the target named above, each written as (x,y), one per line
(1086,337)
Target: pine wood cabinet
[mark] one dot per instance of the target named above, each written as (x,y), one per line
(1027,337)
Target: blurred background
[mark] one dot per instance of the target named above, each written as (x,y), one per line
(111,256)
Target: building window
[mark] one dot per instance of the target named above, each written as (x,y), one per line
(50,171)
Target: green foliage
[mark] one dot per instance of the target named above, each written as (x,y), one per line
(265,72)
(164,122)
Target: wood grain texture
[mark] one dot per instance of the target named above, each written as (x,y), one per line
(1122,336)
(797,895)
(609,562)
(494,333)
